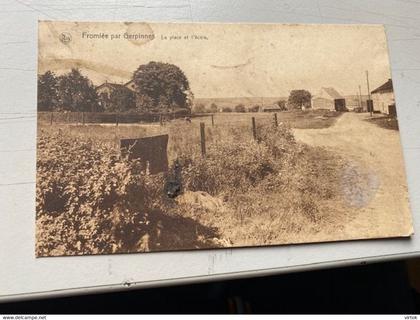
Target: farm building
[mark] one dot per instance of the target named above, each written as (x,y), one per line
(356,101)
(130,85)
(383,98)
(330,99)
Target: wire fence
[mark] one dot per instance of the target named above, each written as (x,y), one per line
(106,117)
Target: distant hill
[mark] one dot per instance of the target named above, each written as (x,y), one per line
(232,102)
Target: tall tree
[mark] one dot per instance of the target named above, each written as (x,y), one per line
(47,91)
(121,99)
(165,84)
(299,99)
(76,92)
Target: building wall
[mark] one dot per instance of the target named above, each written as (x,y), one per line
(381,101)
(322,103)
(130,85)
(103,90)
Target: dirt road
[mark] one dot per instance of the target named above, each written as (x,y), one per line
(373,183)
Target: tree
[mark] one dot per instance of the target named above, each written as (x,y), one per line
(165,84)
(76,92)
(47,91)
(255,108)
(299,99)
(121,99)
(199,108)
(214,108)
(282,105)
(143,103)
(240,108)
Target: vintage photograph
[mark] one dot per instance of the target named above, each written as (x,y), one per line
(180,136)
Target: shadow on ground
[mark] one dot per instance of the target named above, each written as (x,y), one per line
(174,232)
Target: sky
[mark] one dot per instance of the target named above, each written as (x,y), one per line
(223,60)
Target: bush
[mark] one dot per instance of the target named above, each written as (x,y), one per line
(96,204)
(282,105)
(214,108)
(255,108)
(226,109)
(240,108)
(199,108)
(239,166)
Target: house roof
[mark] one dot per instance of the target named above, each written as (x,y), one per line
(129,82)
(332,92)
(386,87)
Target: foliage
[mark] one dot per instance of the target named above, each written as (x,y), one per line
(144,103)
(121,99)
(298,99)
(47,91)
(239,166)
(199,108)
(255,108)
(240,108)
(214,108)
(76,92)
(226,109)
(89,200)
(282,105)
(165,84)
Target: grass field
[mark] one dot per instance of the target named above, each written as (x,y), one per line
(244,192)
(384,121)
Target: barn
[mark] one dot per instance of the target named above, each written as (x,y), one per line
(329,98)
(383,98)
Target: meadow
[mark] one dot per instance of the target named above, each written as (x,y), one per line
(273,190)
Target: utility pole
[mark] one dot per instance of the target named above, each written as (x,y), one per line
(360,98)
(370,104)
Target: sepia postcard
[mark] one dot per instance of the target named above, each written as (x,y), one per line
(180,136)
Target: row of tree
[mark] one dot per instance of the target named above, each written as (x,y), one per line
(157,87)
(296,100)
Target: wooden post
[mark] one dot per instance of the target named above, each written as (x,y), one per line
(203,139)
(276,123)
(254,128)
(212,120)
(161,119)
(116,119)
(51,118)
(83,118)
(368,89)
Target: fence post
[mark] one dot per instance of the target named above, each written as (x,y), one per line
(212,120)
(51,118)
(254,129)
(203,139)
(276,123)
(161,119)
(83,117)
(116,119)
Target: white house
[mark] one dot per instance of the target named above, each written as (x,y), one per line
(383,98)
(328,98)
